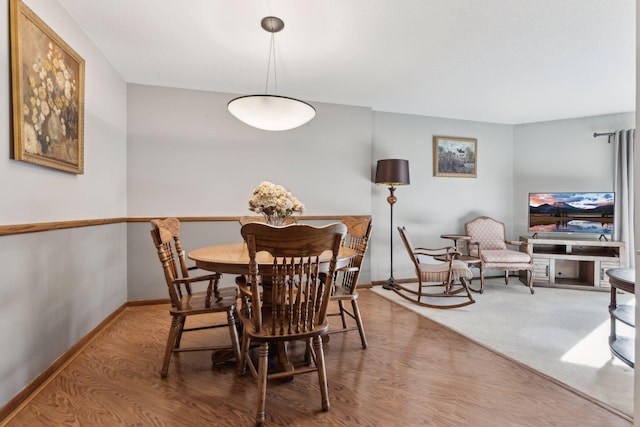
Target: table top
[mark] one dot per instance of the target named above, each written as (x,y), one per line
(233,258)
(622,278)
(456,236)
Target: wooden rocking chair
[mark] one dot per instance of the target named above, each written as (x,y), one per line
(441,273)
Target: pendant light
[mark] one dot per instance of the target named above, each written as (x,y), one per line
(271,112)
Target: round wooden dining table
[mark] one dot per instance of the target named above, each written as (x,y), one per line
(233,258)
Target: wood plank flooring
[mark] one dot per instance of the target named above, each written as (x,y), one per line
(414,373)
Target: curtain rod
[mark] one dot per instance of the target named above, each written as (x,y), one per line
(596,134)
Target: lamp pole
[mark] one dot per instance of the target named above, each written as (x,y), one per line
(391,282)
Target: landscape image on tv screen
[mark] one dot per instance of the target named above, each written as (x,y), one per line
(571,213)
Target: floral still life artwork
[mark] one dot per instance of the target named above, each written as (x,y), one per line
(275,202)
(48,94)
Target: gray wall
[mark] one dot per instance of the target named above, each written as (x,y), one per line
(187,156)
(185,144)
(563,156)
(58,285)
(431,206)
(35,194)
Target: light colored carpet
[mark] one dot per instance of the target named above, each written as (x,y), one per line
(562,333)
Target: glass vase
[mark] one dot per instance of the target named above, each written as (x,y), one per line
(274,219)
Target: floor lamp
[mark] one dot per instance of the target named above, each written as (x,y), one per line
(392,172)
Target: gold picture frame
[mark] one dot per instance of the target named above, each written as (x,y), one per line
(455,157)
(47,87)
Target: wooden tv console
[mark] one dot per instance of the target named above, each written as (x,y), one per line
(573,263)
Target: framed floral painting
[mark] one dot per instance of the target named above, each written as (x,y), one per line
(47,79)
(455,157)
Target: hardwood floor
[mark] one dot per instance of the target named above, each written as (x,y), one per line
(414,372)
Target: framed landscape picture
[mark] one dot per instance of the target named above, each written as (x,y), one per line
(47,85)
(455,157)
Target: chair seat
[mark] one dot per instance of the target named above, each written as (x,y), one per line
(197,302)
(512,266)
(343,293)
(438,272)
(504,256)
(267,333)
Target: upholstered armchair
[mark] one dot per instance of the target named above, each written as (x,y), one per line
(488,243)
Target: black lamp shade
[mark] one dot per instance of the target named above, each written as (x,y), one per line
(392,172)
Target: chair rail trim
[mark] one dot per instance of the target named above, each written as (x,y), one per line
(6,230)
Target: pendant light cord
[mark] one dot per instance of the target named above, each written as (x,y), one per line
(272,51)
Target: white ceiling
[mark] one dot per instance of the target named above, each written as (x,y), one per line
(503,61)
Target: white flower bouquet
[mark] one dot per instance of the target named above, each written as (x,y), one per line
(275,202)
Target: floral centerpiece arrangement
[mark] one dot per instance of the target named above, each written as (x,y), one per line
(274,202)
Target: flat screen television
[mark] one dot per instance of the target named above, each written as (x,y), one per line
(590,213)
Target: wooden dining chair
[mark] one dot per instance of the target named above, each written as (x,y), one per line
(436,278)
(345,288)
(241,281)
(185,302)
(294,301)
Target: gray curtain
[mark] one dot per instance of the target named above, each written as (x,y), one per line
(624,230)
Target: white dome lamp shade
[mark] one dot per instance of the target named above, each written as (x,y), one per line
(271,112)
